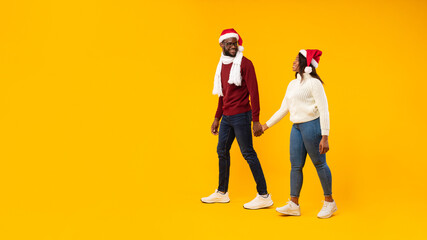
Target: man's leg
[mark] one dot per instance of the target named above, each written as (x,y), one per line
(242,129)
(225,139)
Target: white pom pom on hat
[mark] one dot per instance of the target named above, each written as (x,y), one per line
(308,69)
(313,58)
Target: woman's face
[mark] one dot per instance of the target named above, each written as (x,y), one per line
(295,66)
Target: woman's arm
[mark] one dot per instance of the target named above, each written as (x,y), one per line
(284,109)
(319,96)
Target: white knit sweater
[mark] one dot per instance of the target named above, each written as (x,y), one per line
(305,101)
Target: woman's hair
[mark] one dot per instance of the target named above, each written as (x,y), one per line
(302,64)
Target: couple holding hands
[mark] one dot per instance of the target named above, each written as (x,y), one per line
(305,100)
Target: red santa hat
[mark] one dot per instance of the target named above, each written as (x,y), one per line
(231,33)
(313,58)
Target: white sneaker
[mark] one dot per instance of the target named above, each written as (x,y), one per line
(216,197)
(259,202)
(327,210)
(290,209)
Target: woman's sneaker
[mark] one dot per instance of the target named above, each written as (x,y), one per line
(216,197)
(259,202)
(327,210)
(290,209)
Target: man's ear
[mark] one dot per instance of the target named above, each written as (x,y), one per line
(221,44)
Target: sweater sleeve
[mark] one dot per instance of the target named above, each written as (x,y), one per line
(281,113)
(252,84)
(319,96)
(218,113)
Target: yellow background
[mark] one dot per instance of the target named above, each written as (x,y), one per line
(106,107)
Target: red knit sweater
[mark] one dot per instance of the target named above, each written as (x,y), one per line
(235,99)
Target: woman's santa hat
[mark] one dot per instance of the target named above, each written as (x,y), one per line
(235,75)
(313,58)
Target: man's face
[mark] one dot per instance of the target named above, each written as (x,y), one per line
(229,47)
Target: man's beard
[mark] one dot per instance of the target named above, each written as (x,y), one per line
(227,53)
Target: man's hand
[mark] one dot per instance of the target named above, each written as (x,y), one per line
(258,129)
(214,127)
(264,127)
(324,145)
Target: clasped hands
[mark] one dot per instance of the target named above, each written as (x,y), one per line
(257,128)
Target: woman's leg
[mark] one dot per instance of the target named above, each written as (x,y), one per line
(298,155)
(311,135)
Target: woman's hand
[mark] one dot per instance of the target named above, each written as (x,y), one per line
(264,127)
(324,145)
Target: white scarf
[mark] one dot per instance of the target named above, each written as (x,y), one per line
(235,75)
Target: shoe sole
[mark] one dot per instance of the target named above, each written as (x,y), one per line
(330,215)
(289,214)
(259,207)
(214,202)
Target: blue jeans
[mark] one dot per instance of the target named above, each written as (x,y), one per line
(238,126)
(305,138)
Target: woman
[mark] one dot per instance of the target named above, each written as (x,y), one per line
(306,101)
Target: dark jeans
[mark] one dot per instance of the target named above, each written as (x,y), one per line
(238,126)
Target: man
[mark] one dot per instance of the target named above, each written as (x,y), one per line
(235,81)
